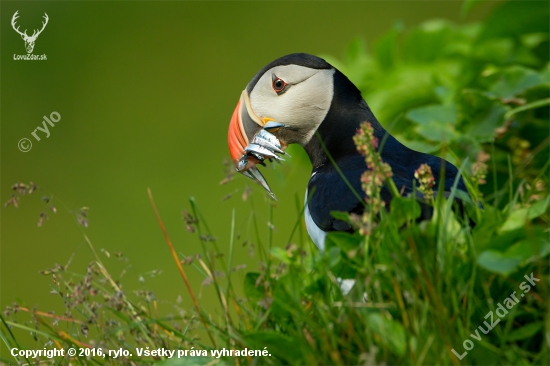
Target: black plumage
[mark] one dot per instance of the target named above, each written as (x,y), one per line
(330,193)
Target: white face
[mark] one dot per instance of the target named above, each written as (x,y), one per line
(302,106)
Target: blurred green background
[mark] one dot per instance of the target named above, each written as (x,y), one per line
(145,91)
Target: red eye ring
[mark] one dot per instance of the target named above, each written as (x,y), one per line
(278,84)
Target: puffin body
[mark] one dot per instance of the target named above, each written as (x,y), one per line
(300,98)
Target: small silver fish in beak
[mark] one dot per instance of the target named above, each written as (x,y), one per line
(264,144)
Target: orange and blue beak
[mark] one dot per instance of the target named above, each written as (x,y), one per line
(250,142)
(242,122)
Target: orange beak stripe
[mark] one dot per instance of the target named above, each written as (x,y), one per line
(236,138)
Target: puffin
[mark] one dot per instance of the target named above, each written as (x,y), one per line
(302,99)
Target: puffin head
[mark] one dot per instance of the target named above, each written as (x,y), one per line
(290,98)
(295,98)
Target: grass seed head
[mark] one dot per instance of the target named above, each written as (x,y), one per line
(426,181)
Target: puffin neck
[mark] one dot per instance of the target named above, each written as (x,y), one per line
(347,111)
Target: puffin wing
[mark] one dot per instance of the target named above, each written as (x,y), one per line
(332,193)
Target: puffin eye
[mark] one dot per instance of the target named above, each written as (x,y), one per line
(278,84)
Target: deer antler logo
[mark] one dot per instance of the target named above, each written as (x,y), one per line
(29,40)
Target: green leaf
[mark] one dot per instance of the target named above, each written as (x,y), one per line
(338,246)
(391,332)
(334,256)
(513,18)
(437,132)
(278,345)
(253,292)
(385,49)
(403,210)
(344,241)
(497,262)
(526,331)
(422,146)
(495,51)
(520,217)
(512,249)
(444,114)
(483,127)
(532,40)
(515,80)
(280,254)
(490,221)
(428,42)
(528,250)
(281,305)
(500,242)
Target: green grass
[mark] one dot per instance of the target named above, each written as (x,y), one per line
(459,91)
(430,285)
